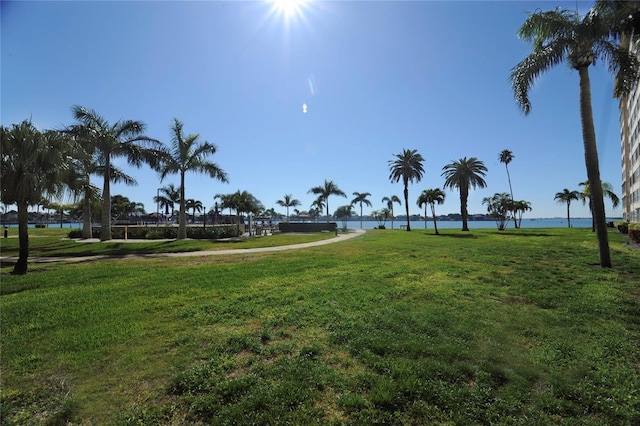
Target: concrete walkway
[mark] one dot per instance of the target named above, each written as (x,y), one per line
(339,238)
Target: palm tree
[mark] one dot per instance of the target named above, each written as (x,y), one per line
(288,201)
(506,157)
(431,197)
(344,213)
(32,164)
(123,139)
(567,196)
(586,197)
(169,198)
(316,208)
(187,153)
(560,35)
(464,174)
(60,208)
(329,188)
(519,208)
(390,201)
(194,205)
(406,167)
(83,165)
(361,198)
(499,206)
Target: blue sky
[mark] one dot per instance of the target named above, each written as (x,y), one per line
(376,77)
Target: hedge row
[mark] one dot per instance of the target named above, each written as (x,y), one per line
(630,228)
(152,233)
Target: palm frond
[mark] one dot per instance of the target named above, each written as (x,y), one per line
(525,74)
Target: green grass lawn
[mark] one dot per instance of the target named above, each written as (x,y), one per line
(513,327)
(54,242)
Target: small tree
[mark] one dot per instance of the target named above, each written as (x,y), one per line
(499,207)
(344,213)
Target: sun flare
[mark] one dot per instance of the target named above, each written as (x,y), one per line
(288,8)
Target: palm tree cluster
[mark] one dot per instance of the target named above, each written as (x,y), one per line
(43,163)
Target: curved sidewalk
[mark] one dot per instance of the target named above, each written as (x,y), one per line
(340,237)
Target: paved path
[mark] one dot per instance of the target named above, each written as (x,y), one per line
(340,237)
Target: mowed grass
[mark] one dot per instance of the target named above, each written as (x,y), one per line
(391,327)
(48,242)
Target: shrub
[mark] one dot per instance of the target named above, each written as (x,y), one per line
(75,233)
(40,225)
(634,234)
(381,227)
(623,227)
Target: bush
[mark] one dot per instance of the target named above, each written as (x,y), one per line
(634,234)
(75,233)
(623,227)
(40,225)
(381,227)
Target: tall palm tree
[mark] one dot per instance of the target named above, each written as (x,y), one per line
(587,197)
(431,197)
(124,138)
(32,164)
(288,201)
(506,157)
(560,35)
(464,174)
(406,167)
(390,201)
(361,198)
(83,165)
(567,196)
(188,154)
(324,191)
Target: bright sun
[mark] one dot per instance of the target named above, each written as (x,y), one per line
(288,8)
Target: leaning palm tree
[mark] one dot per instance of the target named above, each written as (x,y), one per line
(587,197)
(188,154)
(32,164)
(361,198)
(464,174)
(324,191)
(506,156)
(390,201)
(567,196)
(288,201)
(431,197)
(124,138)
(406,167)
(561,36)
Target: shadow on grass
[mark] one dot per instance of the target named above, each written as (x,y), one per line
(523,234)
(461,235)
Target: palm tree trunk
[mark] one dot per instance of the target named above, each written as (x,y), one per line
(327,199)
(593,168)
(182,217)
(20,268)
(86,216)
(568,215)
(406,203)
(464,194)
(425,216)
(105,227)
(433,213)
(511,191)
